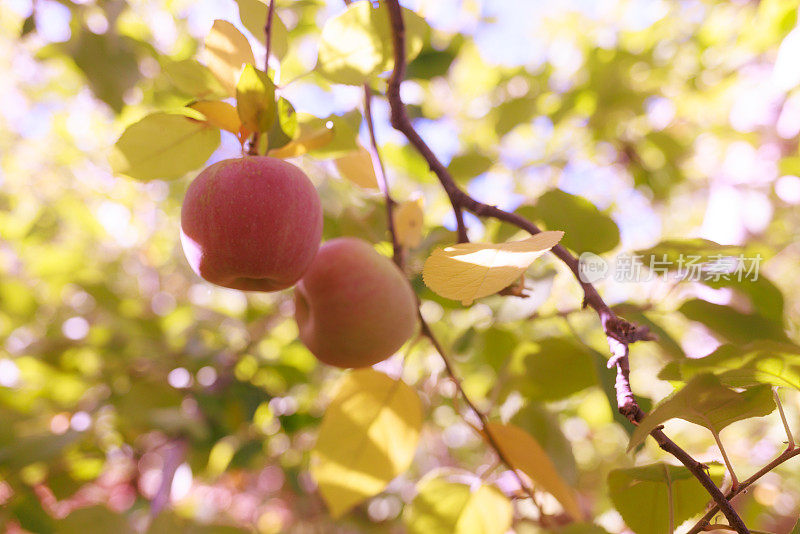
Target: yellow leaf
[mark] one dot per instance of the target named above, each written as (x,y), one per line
(488,511)
(525,454)
(255,99)
(368,436)
(311,135)
(408,219)
(219,114)
(445,504)
(253,14)
(468,271)
(357,167)
(226,50)
(356,45)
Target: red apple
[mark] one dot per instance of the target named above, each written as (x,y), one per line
(354,307)
(251,223)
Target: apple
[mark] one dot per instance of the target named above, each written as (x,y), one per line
(354,307)
(251,223)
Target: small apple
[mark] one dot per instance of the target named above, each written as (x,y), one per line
(354,307)
(251,223)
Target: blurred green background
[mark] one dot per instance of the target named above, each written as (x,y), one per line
(625,123)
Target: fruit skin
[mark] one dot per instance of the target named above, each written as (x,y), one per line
(251,223)
(354,307)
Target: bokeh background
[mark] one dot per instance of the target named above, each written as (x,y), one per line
(673,119)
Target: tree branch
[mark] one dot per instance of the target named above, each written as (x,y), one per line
(401,122)
(788,454)
(619,332)
(425,328)
(268,33)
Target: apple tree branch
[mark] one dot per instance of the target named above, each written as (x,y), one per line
(619,332)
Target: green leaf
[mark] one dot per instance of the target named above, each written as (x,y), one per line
(168,522)
(356,45)
(253,14)
(62,483)
(656,160)
(586,228)
(731,324)
(657,498)
(525,454)
(494,346)
(764,296)
(88,519)
(760,362)
(26,508)
(543,426)
(284,125)
(193,78)
(469,165)
(407,159)
(145,404)
(255,100)
(543,378)
(36,448)
(671,254)
(706,402)
(444,506)
(514,112)
(689,255)
(93,53)
(580,528)
(312,133)
(28,25)
(345,135)
(432,62)
(163,146)
(368,436)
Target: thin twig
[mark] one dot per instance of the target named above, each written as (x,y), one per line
(788,454)
(268,33)
(728,464)
(482,418)
(401,122)
(382,181)
(425,328)
(620,333)
(789,436)
(711,528)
